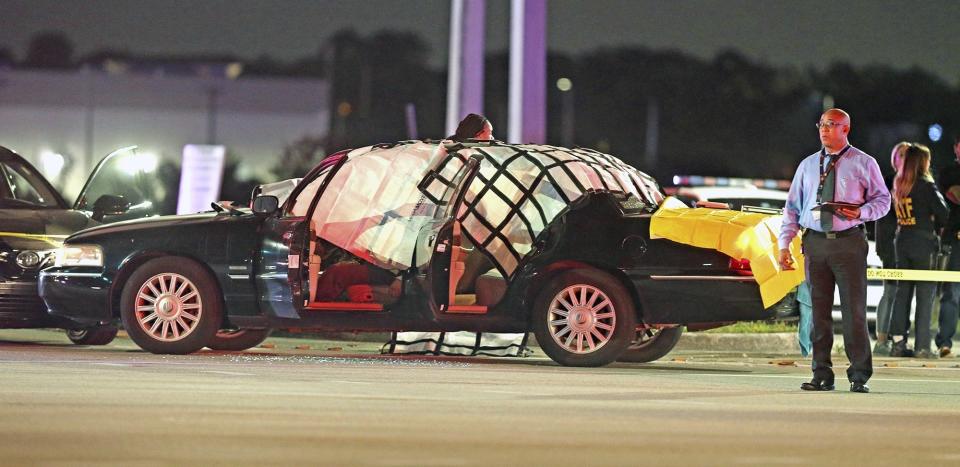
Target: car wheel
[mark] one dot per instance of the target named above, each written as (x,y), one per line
(101,335)
(584,318)
(241,339)
(171,306)
(651,344)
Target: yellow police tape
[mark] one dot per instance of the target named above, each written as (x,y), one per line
(53,240)
(913,275)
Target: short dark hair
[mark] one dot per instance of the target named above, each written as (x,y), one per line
(469,127)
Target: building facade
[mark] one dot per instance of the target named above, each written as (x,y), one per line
(84,114)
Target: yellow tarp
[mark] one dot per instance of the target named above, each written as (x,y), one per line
(740,235)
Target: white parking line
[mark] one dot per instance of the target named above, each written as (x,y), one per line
(898,380)
(228,373)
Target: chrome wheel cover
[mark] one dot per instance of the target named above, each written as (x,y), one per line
(581,319)
(168,307)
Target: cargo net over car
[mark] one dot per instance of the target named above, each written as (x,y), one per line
(381,200)
(520,189)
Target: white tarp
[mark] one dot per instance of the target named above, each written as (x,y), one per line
(374,209)
(520,189)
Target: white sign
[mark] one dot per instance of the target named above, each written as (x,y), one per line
(201,172)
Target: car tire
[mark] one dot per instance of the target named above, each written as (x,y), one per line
(651,344)
(603,324)
(171,305)
(100,335)
(236,340)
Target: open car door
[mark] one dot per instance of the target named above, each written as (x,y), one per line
(440,254)
(285,247)
(125,185)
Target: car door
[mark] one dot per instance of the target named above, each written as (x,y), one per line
(128,184)
(438,254)
(284,243)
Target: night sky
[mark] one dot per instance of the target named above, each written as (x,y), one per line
(798,33)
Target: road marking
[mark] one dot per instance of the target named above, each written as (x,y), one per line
(898,380)
(228,373)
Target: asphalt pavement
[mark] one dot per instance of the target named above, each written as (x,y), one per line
(324,402)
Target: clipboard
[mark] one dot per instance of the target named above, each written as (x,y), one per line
(832,206)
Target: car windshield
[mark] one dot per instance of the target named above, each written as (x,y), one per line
(23,187)
(134,176)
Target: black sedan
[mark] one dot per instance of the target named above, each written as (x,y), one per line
(35,221)
(432,236)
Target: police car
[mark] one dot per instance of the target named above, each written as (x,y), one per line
(737,193)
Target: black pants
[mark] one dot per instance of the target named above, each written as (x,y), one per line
(915,250)
(950,303)
(840,262)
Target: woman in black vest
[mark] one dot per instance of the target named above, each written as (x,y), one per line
(921,212)
(886,230)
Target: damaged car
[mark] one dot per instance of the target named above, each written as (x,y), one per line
(572,244)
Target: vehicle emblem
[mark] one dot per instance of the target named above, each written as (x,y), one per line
(28,259)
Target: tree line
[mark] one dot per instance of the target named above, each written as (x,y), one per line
(727,116)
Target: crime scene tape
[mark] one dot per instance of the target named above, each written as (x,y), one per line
(53,240)
(913,275)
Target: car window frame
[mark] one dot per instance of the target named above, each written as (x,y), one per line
(34,178)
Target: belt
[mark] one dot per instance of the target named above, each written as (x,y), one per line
(838,234)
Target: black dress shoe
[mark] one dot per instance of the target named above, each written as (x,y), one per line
(859,387)
(817,385)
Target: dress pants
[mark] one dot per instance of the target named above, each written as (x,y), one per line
(839,262)
(950,303)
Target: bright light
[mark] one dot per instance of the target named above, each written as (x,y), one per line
(935,132)
(234,70)
(79,255)
(52,163)
(135,163)
(828,102)
(564,84)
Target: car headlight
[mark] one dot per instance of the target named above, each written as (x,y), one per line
(79,255)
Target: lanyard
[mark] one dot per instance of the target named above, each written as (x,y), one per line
(825,171)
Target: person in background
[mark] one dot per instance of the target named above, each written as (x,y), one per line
(921,212)
(834,244)
(949,183)
(886,230)
(473,126)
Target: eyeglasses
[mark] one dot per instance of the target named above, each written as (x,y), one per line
(829,125)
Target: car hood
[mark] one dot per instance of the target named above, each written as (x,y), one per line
(40,228)
(157,222)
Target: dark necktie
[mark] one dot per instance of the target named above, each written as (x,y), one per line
(826,218)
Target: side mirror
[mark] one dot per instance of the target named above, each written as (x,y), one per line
(109,205)
(264,205)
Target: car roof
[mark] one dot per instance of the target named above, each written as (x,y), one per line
(385,194)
